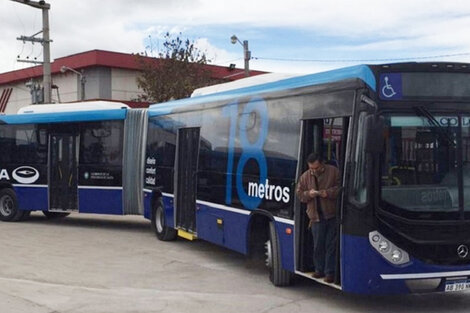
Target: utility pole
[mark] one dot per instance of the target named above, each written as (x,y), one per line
(45,41)
(247,57)
(246,53)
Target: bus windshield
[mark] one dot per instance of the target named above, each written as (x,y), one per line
(420,165)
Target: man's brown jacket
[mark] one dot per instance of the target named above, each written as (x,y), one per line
(328,179)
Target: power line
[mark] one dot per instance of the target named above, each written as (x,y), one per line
(363,60)
(233,60)
(229,61)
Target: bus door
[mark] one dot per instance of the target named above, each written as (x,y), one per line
(185,182)
(63,169)
(327,136)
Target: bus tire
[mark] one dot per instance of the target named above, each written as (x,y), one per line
(277,275)
(54,215)
(162,231)
(9,211)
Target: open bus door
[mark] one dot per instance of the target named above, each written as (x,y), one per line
(185,181)
(63,169)
(329,137)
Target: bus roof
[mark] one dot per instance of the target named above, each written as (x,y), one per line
(362,72)
(241,83)
(70,112)
(72,107)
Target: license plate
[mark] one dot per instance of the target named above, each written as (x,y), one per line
(457,286)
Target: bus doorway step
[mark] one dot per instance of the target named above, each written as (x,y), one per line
(318,280)
(186,235)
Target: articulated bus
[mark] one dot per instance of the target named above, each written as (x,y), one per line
(68,158)
(223,168)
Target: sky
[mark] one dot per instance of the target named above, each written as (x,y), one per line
(298,36)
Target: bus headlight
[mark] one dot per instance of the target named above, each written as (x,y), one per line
(387,249)
(384,246)
(396,255)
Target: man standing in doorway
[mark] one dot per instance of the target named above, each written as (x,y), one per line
(318,187)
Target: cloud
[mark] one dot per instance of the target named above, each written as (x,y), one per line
(215,54)
(325,29)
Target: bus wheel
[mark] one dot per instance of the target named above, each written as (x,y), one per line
(277,275)
(9,211)
(53,215)
(162,231)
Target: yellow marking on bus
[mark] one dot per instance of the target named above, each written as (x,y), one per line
(220,221)
(186,235)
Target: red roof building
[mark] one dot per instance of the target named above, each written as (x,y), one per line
(109,76)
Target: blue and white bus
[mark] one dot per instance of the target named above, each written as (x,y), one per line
(223,168)
(65,158)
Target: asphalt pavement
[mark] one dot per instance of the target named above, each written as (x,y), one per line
(96,263)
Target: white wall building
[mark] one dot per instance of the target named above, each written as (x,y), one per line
(110,76)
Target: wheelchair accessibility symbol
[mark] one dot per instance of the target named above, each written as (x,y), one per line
(387,89)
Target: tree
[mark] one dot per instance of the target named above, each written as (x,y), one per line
(179,69)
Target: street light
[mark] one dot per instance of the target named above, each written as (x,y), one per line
(246,53)
(64,69)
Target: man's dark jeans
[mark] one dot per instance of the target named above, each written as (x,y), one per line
(324,250)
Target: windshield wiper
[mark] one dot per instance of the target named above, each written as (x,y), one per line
(432,120)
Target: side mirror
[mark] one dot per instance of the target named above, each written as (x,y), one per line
(374,135)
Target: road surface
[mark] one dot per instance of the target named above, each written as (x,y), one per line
(95,263)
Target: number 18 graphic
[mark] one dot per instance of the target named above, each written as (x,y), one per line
(249,150)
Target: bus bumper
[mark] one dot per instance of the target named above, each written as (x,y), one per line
(365,271)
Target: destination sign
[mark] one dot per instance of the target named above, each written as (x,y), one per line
(413,86)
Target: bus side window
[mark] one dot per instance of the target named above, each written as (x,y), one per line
(6,144)
(28,146)
(359,186)
(101,143)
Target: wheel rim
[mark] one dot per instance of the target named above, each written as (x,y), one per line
(269,254)
(6,205)
(159,222)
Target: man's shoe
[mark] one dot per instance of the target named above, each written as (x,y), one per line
(329,279)
(318,275)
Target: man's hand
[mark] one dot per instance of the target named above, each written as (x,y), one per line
(313,193)
(323,193)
